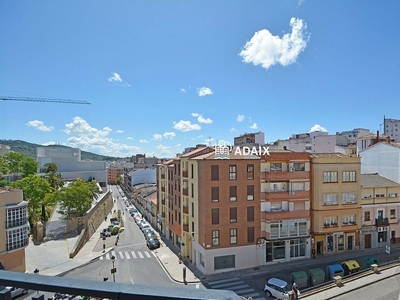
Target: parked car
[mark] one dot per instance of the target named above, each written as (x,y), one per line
(105,232)
(16,292)
(152,243)
(149,233)
(277,288)
(145,226)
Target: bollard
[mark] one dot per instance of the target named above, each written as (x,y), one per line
(184,274)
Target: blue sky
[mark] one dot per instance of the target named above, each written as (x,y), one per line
(165,75)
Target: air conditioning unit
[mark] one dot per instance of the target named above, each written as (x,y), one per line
(292,169)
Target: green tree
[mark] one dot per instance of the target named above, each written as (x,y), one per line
(15,163)
(35,190)
(76,199)
(52,175)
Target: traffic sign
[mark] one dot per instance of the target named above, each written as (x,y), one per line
(387,249)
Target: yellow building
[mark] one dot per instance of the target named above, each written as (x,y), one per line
(335,205)
(14,229)
(380,208)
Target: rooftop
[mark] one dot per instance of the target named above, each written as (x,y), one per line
(376,180)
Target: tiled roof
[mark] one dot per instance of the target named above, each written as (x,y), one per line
(328,155)
(376,180)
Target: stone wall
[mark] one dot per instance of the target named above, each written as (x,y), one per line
(88,224)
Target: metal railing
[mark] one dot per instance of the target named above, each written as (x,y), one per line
(108,290)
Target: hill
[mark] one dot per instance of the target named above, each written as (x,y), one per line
(29,149)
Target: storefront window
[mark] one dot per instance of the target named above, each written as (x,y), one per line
(329,244)
(340,241)
(382,237)
(298,247)
(278,250)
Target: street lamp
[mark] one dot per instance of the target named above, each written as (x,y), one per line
(113,270)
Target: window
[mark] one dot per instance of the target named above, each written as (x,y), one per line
(299,166)
(292,228)
(215,216)
(330,199)
(192,210)
(250,234)
(250,171)
(330,222)
(349,220)
(232,172)
(250,214)
(224,262)
(214,172)
(330,177)
(250,192)
(367,216)
(192,190)
(380,196)
(392,195)
(349,176)
(214,194)
(17,238)
(349,198)
(215,237)
(192,171)
(202,259)
(393,214)
(233,214)
(16,217)
(232,193)
(233,236)
(276,167)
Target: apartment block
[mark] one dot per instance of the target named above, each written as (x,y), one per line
(285,206)
(392,128)
(113,173)
(335,204)
(246,139)
(380,203)
(14,230)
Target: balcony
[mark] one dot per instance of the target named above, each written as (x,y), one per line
(284,194)
(185,174)
(284,175)
(185,191)
(163,189)
(287,215)
(162,176)
(185,209)
(185,227)
(382,222)
(163,201)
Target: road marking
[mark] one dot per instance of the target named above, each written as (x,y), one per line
(121,254)
(134,255)
(127,255)
(140,254)
(197,286)
(101,257)
(147,254)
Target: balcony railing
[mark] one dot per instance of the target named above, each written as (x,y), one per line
(381,222)
(162,176)
(163,201)
(163,189)
(185,192)
(186,227)
(185,174)
(185,210)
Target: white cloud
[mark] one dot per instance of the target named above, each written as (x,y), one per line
(39,125)
(186,126)
(88,138)
(178,145)
(129,138)
(232,130)
(240,118)
(157,137)
(119,131)
(169,135)
(254,126)
(163,149)
(318,127)
(267,50)
(115,78)
(201,119)
(204,91)
(143,141)
(50,143)
(183,90)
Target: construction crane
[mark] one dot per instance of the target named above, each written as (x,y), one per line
(7,98)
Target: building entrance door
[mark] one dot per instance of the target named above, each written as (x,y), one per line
(367,241)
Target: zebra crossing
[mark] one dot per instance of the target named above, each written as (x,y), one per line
(236,285)
(127,255)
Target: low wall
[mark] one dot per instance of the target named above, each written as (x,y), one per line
(88,224)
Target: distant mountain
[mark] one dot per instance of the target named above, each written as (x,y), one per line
(29,149)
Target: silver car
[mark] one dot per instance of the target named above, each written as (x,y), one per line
(16,292)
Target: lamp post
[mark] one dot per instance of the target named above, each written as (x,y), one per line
(113,270)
